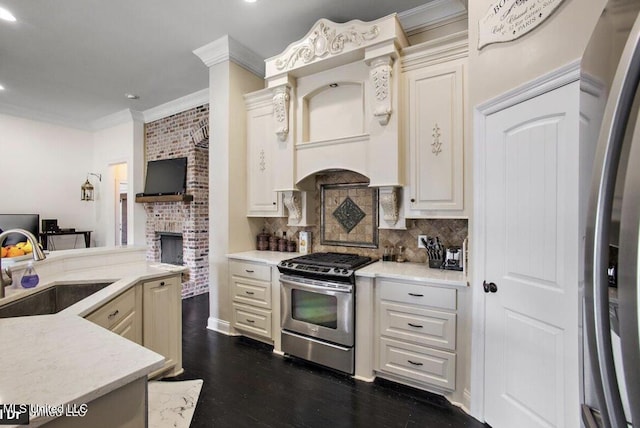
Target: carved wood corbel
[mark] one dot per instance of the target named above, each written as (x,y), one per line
(390,204)
(281,111)
(380,79)
(293,202)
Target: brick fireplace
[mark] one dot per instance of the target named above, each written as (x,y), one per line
(173,137)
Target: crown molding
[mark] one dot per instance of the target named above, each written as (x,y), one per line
(176,106)
(431,14)
(40,116)
(117,118)
(227,48)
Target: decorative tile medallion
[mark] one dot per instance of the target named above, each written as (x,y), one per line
(348,214)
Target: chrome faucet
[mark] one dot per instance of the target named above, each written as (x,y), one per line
(38,254)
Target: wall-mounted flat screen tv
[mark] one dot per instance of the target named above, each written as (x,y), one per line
(28,222)
(166,177)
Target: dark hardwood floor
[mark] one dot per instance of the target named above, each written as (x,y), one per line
(246,385)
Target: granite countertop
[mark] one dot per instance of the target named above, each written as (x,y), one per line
(420,272)
(63,358)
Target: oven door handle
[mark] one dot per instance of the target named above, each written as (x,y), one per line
(342,288)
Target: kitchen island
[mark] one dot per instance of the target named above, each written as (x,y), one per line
(58,363)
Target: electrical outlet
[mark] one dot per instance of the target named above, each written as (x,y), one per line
(420,238)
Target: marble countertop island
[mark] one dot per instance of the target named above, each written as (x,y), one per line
(59,359)
(62,358)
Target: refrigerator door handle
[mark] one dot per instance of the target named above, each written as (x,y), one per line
(610,143)
(628,278)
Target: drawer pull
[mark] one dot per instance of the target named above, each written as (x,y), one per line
(416,295)
(248,270)
(251,321)
(414,363)
(251,293)
(415,325)
(113,314)
(162,284)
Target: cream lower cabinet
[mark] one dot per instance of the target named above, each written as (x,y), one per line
(162,328)
(416,334)
(122,315)
(252,298)
(149,314)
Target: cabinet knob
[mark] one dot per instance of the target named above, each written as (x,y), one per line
(489,287)
(274,203)
(413,199)
(162,284)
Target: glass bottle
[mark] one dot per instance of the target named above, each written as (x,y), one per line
(30,278)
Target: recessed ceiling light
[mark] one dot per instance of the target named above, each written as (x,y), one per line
(1,88)
(132,96)
(6,15)
(250,1)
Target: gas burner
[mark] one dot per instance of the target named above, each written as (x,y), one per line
(328,266)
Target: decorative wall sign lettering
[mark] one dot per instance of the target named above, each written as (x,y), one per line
(508,20)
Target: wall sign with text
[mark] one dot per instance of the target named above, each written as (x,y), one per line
(507,20)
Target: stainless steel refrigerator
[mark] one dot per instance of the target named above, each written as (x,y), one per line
(611,335)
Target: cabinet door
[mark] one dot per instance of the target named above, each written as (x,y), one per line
(436,132)
(122,315)
(162,311)
(262,200)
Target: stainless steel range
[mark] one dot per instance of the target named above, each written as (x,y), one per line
(318,308)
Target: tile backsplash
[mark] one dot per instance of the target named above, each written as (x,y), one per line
(450,231)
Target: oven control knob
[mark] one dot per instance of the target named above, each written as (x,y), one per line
(345,271)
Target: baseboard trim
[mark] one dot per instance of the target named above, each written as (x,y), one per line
(221,326)
(364,379)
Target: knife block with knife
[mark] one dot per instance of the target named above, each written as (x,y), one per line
(435,252)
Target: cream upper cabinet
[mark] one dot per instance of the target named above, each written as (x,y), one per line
(435,130)
(262,199)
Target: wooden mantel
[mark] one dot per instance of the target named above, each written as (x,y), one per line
(165,198)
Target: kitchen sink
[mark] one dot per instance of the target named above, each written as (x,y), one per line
(51,300)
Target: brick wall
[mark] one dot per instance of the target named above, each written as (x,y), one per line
(167,138)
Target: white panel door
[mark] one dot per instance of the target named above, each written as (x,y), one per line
(531,218)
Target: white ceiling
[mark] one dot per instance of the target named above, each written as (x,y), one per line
(71,61)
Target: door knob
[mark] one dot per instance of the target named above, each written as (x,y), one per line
(489,287)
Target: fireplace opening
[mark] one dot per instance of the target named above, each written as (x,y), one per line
(171,248)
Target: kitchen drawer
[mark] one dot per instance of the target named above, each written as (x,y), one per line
(253,320)
(250,270)
(416,294)
(257,293)
(419,325)
(418,363)
(115,310)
